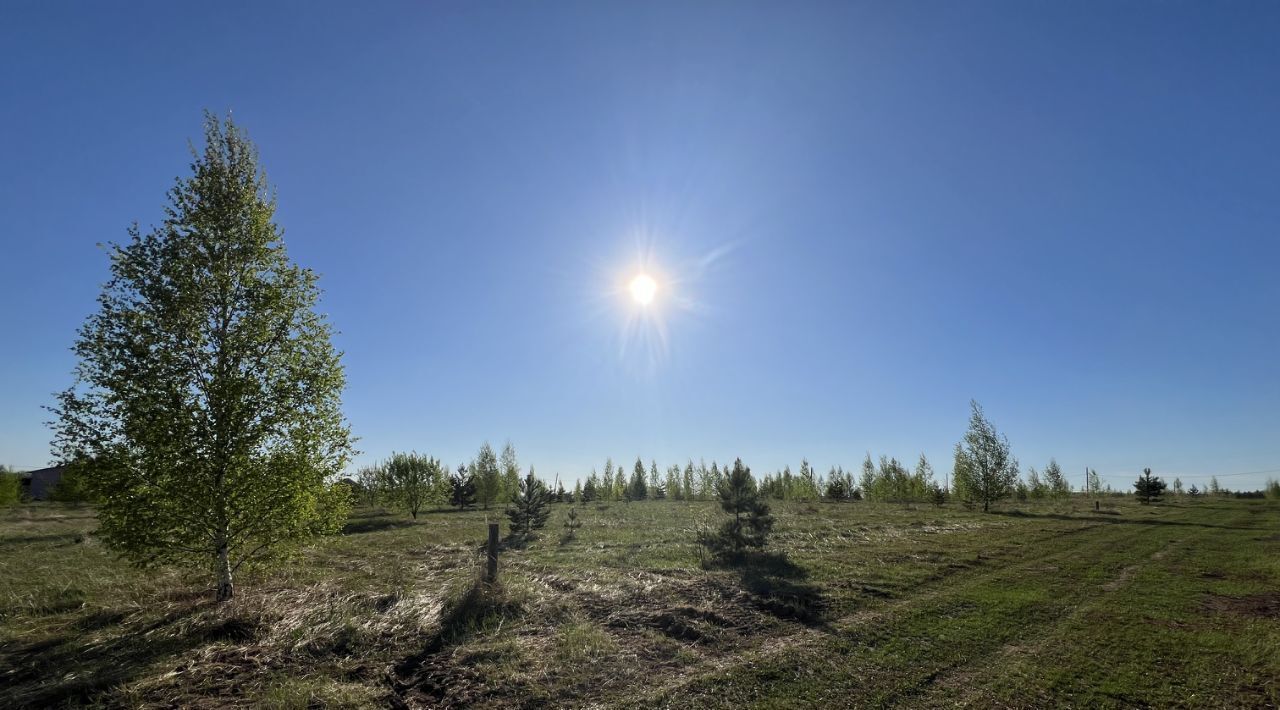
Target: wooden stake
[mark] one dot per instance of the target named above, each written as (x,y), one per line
(491,571)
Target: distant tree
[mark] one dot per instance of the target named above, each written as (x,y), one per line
(606,489)
(751,521)
(706,483)
(836,489)
(1057,483)
(620,491)
(74,486)
(867,482)
(10,486)
(368,485)
(1148,488)
(654,479)
(207,393)
(509,467)
(1193,492)
(590,488)
(714,476)
(659,492)
(687,487)
(938,495)
(529,509)
(986,462)
(921,480)
(462,489)
(1272,489)
(577,492)
(806,486)
(560,494)
(637,489)
(1177,486)
(412,481)
(1035,485)
(673,486)
(488,476)
(1214,489)
(1093,483)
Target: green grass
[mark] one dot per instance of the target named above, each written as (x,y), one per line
(1034,605)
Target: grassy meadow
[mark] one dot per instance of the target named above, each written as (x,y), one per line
(855,604)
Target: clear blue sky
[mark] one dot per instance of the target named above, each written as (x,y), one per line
(861,215)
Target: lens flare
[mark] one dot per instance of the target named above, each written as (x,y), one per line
(643,289)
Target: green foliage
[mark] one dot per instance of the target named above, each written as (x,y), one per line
(605,487)
(10,486)
(488,477)
(751,523)
(637,489)
(938,496)
(836,489)
(1148,488)
(73,487)
(893,482)
(571,524)
(1057,483)
(673,486)
(462,489)
(530,507)
(1093,483)
(413,481)
(207,392)
(510,471)
(590,490)
(368,488)
(985,470)
(1272,488)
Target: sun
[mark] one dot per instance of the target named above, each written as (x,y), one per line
(643,288)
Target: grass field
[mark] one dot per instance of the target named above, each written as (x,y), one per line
(857,605)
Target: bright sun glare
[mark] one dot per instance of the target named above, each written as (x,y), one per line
(643,288)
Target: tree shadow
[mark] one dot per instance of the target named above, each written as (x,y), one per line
(65,538)
(40,672)
(778,586)
(483,605)
(360,526)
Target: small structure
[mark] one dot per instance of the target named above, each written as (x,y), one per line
(39,484)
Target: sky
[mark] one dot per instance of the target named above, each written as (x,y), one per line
(860,216)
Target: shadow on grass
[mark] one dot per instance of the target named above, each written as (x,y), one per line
(778,586)
(368,524)
(64,670)
(66,538)
(482,606)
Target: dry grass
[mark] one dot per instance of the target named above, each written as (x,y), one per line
(856,603)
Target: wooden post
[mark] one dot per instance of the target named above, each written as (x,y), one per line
(491,571)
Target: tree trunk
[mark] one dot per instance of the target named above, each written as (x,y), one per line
(226,590)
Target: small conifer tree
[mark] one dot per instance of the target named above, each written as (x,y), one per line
(751,521)
(462,487)
(572,524)
(529,509)
(1149,488)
